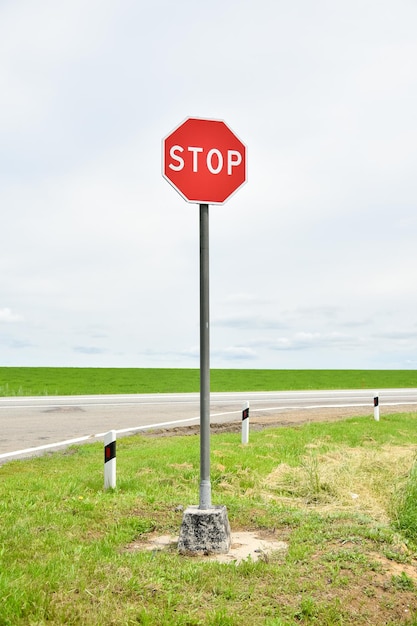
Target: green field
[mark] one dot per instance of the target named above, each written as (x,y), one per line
(34,381)
(341,495)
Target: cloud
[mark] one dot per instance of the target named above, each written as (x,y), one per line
(245,299)
(93,350)
(310,341)
(397,335)
(19,344)
(249,322)
(235,353)
(7,315)
(187,357)
(13,343)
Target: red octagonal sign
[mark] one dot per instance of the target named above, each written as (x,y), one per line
(204,161)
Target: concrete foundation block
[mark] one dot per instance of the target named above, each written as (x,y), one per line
(204,531)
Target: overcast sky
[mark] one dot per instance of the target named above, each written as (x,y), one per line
(312,263)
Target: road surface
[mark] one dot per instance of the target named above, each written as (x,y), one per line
(30,425)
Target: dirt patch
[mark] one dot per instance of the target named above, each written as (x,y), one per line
(287,417)
(391,568)
(244,545)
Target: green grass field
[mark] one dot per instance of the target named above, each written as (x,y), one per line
(342,495)
(26,381)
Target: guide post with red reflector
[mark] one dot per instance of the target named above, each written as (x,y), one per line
(245,424)
(110,460)
(376,407)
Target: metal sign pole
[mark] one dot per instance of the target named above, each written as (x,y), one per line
(205,529)
(205,485)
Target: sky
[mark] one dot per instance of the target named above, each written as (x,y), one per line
(312,262)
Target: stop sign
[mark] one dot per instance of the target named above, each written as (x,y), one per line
(204,161)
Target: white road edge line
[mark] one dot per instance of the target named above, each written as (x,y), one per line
(68,442)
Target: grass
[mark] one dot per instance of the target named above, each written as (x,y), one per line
(407,507)
(335,492)
(27,381)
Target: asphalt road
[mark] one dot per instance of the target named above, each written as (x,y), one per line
(31,425)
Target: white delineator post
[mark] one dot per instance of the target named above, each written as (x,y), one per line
(245,423)
(110,460)
(376,407)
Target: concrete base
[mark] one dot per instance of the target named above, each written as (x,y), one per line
(204,531)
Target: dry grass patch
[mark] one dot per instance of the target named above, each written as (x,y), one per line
(364,480)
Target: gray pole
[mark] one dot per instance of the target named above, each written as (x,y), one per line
(205,486)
